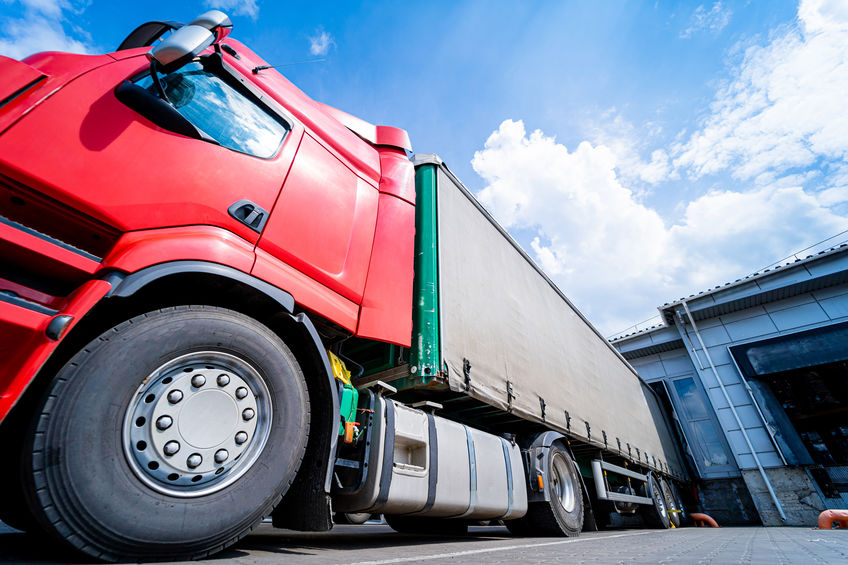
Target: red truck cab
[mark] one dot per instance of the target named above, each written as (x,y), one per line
(131,192)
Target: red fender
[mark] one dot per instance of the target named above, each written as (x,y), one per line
(140,249)
(26,353)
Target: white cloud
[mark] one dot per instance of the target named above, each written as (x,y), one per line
(784,105)
(621,137)
(833,196)
(247,8)
(50,8)
(41,29)
(714,20)
(320,43)
(823,15)
(615,256)
(725,234)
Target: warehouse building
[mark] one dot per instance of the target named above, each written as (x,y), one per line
(755,375)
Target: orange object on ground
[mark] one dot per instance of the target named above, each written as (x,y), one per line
(703,520)
(828,517)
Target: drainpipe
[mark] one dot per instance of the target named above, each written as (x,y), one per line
(733,410)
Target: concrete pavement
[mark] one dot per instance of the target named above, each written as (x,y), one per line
(379,545)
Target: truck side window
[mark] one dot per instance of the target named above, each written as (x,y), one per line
(220,111)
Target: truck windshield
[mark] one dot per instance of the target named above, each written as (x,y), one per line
(221,111)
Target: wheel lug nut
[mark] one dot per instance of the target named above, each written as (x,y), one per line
(171,447)
(248,414)
(223,380)
(194,460)
(241,437)
(175,396)
(221,455)
(241,392)
(164,422)
(198,381)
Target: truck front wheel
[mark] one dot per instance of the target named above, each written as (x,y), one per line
(171,435)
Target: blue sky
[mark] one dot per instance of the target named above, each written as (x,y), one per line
(640,151)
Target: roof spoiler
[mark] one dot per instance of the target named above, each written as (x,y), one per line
(146,34)
(375,135)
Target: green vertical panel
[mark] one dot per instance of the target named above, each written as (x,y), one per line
(425,362)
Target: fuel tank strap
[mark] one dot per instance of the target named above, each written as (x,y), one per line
(472,473)
(509,483)
(388,455)
(433,473)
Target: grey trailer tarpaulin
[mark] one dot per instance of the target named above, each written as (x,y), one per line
(511,339)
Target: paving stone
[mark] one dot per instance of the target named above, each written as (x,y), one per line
(373,544)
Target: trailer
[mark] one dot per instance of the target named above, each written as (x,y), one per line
(498,347)
(222,300)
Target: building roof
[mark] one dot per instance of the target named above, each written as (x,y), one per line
(820,270)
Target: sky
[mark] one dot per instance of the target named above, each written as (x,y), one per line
(640,151)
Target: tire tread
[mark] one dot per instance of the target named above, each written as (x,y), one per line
(60,528)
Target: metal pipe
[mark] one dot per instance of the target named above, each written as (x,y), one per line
(767,426)
(735,414)
(600,483)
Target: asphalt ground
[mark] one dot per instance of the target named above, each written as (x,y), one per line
(373,544)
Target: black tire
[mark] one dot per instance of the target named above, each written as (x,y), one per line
(81,481)
(423,525)
(562,515)
(351,517)
(682,514)
(656,514)
(672,508)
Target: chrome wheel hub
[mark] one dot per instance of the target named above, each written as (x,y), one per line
(197,423)
(563,488)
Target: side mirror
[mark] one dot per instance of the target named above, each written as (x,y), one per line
(189,41)
(181,47)
(215,21)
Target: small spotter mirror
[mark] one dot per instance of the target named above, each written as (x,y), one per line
(215,21)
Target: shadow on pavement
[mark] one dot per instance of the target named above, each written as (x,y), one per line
(18,547)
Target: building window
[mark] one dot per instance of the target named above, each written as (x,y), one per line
(708,448)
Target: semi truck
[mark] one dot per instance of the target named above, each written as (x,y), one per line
(221,300)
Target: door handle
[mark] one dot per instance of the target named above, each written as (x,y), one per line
(250,214)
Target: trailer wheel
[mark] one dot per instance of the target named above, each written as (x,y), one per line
(425,525)
(678,501)
(562,514)
(656,514)
(673,510)
(170,436)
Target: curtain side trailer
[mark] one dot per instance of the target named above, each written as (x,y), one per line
(497,346)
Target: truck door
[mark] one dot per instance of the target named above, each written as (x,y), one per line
(323,226)
(94,146)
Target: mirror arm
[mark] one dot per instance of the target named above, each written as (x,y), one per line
(154,74)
